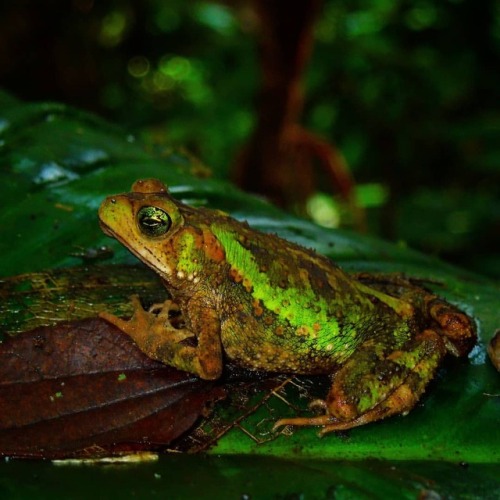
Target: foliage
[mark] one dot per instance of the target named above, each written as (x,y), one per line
(58,163)
(405,88)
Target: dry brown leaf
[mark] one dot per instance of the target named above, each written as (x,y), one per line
(84,389)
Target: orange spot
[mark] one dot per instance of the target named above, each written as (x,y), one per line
(212,248)
(247,284)
(279,331)
(304,275)
(302,330)
(257,308)
(235,275)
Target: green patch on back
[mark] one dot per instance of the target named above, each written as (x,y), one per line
(301,308)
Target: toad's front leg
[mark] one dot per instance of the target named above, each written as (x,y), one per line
(372,386)
(158,339)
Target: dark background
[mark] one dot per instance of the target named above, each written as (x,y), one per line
(408,90)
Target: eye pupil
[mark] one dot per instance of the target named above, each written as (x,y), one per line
(153,221)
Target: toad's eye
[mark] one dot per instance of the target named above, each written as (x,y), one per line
(153,221)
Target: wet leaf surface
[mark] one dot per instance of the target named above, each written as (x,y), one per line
(32,300)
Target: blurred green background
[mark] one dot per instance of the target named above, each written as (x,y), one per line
(408,90)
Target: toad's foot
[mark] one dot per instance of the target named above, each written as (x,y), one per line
(145,327)
(401,398)
(372,386)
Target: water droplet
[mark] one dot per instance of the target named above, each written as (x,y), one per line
(54,174)
(4,125)
(90,156)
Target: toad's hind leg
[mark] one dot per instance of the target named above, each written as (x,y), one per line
(372,386)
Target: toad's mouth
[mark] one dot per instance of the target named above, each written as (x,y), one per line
(150,262)
(107,230)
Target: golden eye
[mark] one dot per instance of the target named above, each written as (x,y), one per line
(153,221)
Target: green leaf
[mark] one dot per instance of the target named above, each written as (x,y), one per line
(57,164)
